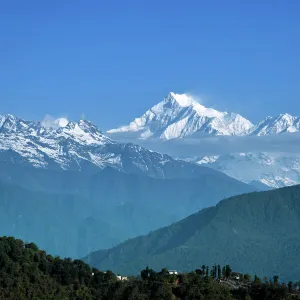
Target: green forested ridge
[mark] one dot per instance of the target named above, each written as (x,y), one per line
(102,208)
(257,233)
(29,273)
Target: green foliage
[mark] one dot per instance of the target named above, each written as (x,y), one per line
(257,280)
(242,231)
(227,271)
(219,271)
(276,279)
(29,273)
(247,277)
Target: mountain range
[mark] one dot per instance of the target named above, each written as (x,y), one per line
(274,170)
(180,115)
(74,189)
(103,191)
(72,213)
(256,232)
(82,146)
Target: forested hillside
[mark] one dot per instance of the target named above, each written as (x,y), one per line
(29,273)
(257,233)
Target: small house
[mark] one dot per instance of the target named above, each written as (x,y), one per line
(173,272)
(122,278)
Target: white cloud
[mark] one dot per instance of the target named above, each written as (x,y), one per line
(219,145)
(51,122)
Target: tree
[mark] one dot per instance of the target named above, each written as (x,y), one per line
(219,272)
(290,286)
(164,271)
(152,274)
(203,269)
(247,277)
(214,271)
(110,277)
(257,279)
(276,279)
(144,274)
(198,271)
(224,272)
(207,271)
(227,271)
(32,246)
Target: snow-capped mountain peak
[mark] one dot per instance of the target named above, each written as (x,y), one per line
(10,123)
(183,100)
(42,145)
(180,115)
(275,125)
(84,132)
(82,146)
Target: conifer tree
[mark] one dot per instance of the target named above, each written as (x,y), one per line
(219,271)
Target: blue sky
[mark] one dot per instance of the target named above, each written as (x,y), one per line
(112,60)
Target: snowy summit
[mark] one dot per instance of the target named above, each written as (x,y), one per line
(65,145)
(179,115)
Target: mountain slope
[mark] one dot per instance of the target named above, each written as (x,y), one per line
(57,222)
(82,146)
(120,190)
(257,232)
(271,169)
(72,213)
(283,123)
(30,273)
(178,116)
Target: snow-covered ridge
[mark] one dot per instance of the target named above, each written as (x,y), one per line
(178,116)
(81,146)
(66,145)
(74,145)
(275,125)
(84,131)
(272,169)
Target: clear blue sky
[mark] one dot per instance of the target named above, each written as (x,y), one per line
(111,60)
